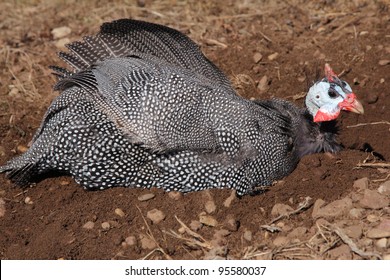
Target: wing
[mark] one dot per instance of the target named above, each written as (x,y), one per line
(127,37)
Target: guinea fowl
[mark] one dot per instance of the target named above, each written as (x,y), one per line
(144,107)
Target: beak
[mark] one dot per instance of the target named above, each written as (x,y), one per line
(350,103)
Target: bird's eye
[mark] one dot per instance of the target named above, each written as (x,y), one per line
(332,94)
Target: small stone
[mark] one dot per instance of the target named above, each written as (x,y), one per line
(248,235)
(119,212)
(298,232)
(316,206)
(283,226)
(61,43)
(210,206)
(61,32)
(21,148)
(216,253)
(221,233)
(181,230)
(155,215)
(280,241)
(263,85)
(374,200)
(105,225)
(256,69)
(273,56)
(280,224)
(319,55)
(381,81)
(372,97)
(356,213)
(385,224)
(281,209)
(208,220)
(301,79)
(228,201)
(14,93)
(343,252)
(323,222)
(147,243)
(384,188)
(354,231)
(231,223)
(257,57)
(89,225)
(2,151)
(377,233)
(195,225)
(381,243)
(28,200)
(175,195)
(372,218)
(64,183)
(117,239)
(355,196)
(131,240)
(2,207)
(321,29)
(146,196)
(384,62)
(333,209)
(365,242)
(361,184)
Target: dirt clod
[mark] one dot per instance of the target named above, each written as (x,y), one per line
(333,209)
(210,206)
(356,213)
(147,243)
(175,195)
(257,57)
(119,212)
(89,225)
(374,200)
(2,207)
(106,225)
(146,197)
(208,220)
(384,188)
(361,184)
(378,233)
(280,209)
(131,240)
(155,215)
(61,32)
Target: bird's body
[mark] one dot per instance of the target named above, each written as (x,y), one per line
(146,108)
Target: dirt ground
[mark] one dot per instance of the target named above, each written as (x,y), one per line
(330,207)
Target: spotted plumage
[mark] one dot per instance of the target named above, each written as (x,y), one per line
(143,107)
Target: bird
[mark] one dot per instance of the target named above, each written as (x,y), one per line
(141,106)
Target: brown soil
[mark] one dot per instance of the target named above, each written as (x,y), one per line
(45,221)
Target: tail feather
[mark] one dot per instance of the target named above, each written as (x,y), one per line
(19,172)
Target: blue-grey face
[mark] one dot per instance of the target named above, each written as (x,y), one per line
(326,99)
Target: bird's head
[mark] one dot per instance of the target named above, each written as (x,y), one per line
(326,98)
